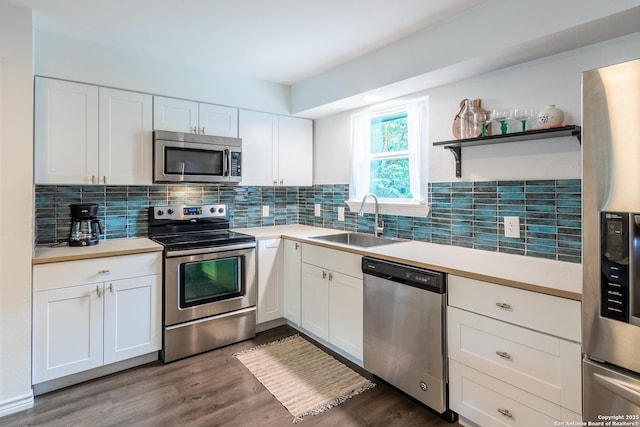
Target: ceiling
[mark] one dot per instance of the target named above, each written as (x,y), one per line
(280,41)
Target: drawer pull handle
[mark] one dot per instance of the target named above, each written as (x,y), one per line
(503,305)
(505,412)
(504,355)
(104,272)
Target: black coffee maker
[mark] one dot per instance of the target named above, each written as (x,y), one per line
(85,226)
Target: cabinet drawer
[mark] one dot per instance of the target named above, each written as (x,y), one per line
(70,273)
(488,401)
(549,314)
(546,366)
(340,261)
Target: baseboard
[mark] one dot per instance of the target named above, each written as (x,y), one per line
(91,374)
(16,404)
(261,327)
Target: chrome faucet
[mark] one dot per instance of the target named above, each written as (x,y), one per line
(377,230)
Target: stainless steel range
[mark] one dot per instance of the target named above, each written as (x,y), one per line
(209,279)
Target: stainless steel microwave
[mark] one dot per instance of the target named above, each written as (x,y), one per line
(187,157)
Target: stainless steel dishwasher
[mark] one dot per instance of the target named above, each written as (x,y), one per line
(404,330)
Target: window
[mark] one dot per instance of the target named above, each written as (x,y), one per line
(387,158)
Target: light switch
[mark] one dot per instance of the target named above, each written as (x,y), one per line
(265,210)
(340,213)
(317,209)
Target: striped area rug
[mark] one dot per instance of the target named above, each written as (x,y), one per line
(305,379)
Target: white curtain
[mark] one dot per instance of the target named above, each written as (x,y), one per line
(414,121)
(360,151)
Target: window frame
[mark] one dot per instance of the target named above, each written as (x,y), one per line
(418,205)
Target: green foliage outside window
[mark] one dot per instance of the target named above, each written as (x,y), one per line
(389,174)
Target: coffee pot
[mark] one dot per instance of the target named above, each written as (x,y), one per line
(85,226)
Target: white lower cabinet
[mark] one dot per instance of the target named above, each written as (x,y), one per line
(270,280)
(132,314)
(115,314)
(508,365)
(332,297)
(346,301)
(292,278)
(315,300)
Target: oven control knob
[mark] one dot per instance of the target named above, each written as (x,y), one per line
(160,212)
(220,210)
(170,211)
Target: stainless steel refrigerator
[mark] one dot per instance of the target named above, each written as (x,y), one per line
(611,243)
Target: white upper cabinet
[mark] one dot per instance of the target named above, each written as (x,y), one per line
(218,120)
(276,150)
(295,151)
(65,132)
(179,115)
(258,132)
(125,137)
(175,115)
(90,135)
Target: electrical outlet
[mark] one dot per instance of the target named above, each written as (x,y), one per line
(317,211)
(512,226)
(265,210)
(340,213)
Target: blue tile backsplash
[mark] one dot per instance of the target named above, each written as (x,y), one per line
(468,214)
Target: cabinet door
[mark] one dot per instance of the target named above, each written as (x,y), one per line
(218,120)
(259,132)
(65,132)
(346,313)
(270,283)
(295,151)
(67,331)
(315,300)
(125,137)
(292,259)
(132,317)
(175,115)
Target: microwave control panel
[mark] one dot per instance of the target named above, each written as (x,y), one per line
(235,164)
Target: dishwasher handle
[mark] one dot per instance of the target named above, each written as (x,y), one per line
(421,278)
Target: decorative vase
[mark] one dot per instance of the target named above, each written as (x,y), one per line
(550,117)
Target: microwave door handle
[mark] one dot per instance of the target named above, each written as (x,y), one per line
(225,163)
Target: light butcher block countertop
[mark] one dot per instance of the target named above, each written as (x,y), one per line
(550,277)
(107,247)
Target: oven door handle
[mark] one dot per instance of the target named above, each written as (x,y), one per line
(620,388)
(215,249)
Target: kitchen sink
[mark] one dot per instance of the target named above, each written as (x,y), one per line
(357,239)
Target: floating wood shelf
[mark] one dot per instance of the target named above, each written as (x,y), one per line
(456,145)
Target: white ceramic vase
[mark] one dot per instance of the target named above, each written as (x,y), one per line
(550,117)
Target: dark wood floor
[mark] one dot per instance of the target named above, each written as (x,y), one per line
(211,389)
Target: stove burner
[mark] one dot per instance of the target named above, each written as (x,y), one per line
(191,227)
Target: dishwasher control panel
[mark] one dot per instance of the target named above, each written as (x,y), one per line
(433,281)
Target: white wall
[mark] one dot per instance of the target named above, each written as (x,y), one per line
(78,60)
(552,80)
(493,35)
(16,207)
